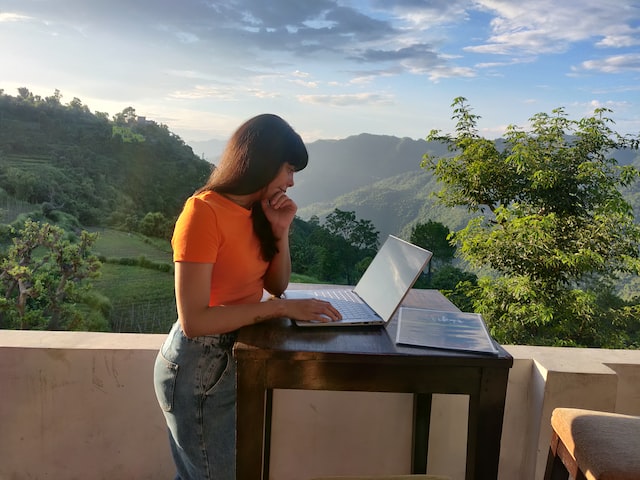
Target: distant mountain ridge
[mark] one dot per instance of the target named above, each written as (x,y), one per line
(379,177)
(337,167)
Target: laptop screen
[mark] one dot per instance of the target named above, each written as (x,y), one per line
(391,274)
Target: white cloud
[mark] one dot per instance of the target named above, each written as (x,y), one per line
(619,41)
(548,26)
(202,92)
(439,72)
(187,37)
(305,84)
(347,100)
(613,64)
(610,104)
(505,63)
(13,17)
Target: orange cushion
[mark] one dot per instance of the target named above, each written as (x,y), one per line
(606,446)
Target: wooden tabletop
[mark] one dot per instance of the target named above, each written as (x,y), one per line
(281,338)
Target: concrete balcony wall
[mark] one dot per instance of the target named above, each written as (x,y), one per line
(82,406)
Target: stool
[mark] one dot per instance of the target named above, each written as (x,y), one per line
(591,445)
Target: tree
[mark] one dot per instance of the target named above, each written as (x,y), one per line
(128,115)
(360,234)
(25,95)
(434,236)
(443,276)
(351,242)
(43,279)
(338,251)
(76,105)
(155,224)
(553,225)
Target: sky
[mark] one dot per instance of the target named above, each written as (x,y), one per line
(331,68)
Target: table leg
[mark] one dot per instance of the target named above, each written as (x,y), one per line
(421,420)
(266,442)
(486,412)
(251,421)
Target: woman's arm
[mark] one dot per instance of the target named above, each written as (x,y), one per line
(197,318)
(280,210)
(278,273)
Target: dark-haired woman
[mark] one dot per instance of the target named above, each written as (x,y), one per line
(230,244)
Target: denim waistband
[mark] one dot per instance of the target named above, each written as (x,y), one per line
(222,340)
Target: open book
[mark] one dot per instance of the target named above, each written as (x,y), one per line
(444,329)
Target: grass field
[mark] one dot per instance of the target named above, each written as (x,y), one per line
(30,162)
(118,244)
(142,299)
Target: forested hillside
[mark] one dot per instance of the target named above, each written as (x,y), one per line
(102,171)
(379,177)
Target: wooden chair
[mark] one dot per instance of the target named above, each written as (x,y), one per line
(592,445)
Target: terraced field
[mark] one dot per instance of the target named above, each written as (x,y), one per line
(142,299)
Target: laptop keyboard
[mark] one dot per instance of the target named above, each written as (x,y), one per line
(347,303)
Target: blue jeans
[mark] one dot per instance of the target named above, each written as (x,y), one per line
(195,383)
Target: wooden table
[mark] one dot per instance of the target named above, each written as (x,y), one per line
(278,354)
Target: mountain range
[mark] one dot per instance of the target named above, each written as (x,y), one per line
(379,177)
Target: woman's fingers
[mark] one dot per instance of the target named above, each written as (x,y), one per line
(329,310)
(317,310)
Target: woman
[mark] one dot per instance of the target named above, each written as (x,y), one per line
(230,244)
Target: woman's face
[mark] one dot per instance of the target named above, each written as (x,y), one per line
(282,181)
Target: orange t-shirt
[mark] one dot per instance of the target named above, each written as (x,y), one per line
(213,229)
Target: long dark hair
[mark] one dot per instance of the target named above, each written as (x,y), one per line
(251,160)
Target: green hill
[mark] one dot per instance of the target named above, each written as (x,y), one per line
(102,171)
(394,204)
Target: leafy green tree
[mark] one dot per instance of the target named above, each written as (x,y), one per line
(443,276)
(155,224)
(324,252)
(556,229)
(434,236)
(25,95)
(128,115)
(351,241)
(453,283)
(43,279)
(360,234)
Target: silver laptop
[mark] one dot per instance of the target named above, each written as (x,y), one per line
(378,294)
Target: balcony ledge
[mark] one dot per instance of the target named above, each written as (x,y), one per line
(82,405)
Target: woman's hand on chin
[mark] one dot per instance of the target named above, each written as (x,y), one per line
(280,210)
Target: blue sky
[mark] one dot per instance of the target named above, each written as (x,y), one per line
(332,68)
